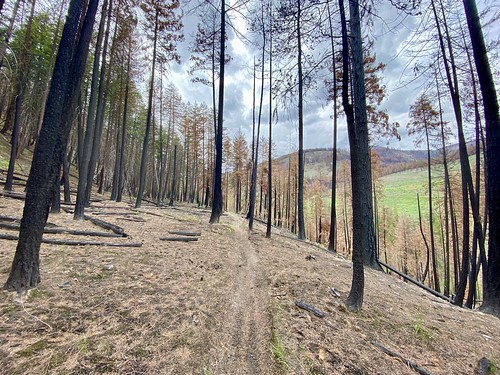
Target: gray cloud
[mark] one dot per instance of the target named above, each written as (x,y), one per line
(390,31)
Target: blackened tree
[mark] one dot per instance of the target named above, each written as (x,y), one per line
(491,278)
(357,126)
(297,34)
(217,191)
(66,81)
(90,129)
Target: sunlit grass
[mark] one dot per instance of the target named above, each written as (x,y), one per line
(400,193)
(400,189)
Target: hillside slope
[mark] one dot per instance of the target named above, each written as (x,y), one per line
(321,159)
(224,304)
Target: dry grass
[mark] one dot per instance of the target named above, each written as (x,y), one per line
(218,306)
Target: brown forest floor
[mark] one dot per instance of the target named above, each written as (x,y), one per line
(222,305)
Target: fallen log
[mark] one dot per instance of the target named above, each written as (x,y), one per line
(75,242)
(13,195)
(147,212)
(412,365)
(81,232)
(151,202)
(65,231)
(189,234)
(305,306)
(103,224)
(134,219)
(9,218)
(417,283)
(181,239)
(112,213)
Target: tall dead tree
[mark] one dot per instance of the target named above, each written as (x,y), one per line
(142,173)
(255,154)
(66,81)
(491,275)
(217,191)
(166,27)
(20,88)
(357,125)
(333,207)
(83,168)
(256,139)
(270,156)
(425,121)
(300,193)
(469,197)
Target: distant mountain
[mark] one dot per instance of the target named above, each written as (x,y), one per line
(320,159)
(390,156)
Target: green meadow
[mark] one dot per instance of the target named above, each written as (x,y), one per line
(399,193)
(400,189)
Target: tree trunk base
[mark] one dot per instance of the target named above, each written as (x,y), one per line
(23,276)
(492,309)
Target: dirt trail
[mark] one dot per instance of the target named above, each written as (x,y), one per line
(243,344)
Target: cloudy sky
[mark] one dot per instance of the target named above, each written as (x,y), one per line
(390,31)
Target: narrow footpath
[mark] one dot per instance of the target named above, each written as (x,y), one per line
(243,344)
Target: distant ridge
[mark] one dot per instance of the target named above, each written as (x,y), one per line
(387,155)
(391,160)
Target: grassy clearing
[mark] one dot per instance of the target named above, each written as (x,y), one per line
(400,193)
(400,189)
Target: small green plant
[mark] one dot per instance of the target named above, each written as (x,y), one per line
(84,345)
(140,352)
(278,350)
(35,294)
(206,371)
(4,163)
(420,331)
(493,369)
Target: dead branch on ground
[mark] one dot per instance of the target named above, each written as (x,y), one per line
(311,309)
(412,365)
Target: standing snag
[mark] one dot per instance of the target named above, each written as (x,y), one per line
(47,159)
